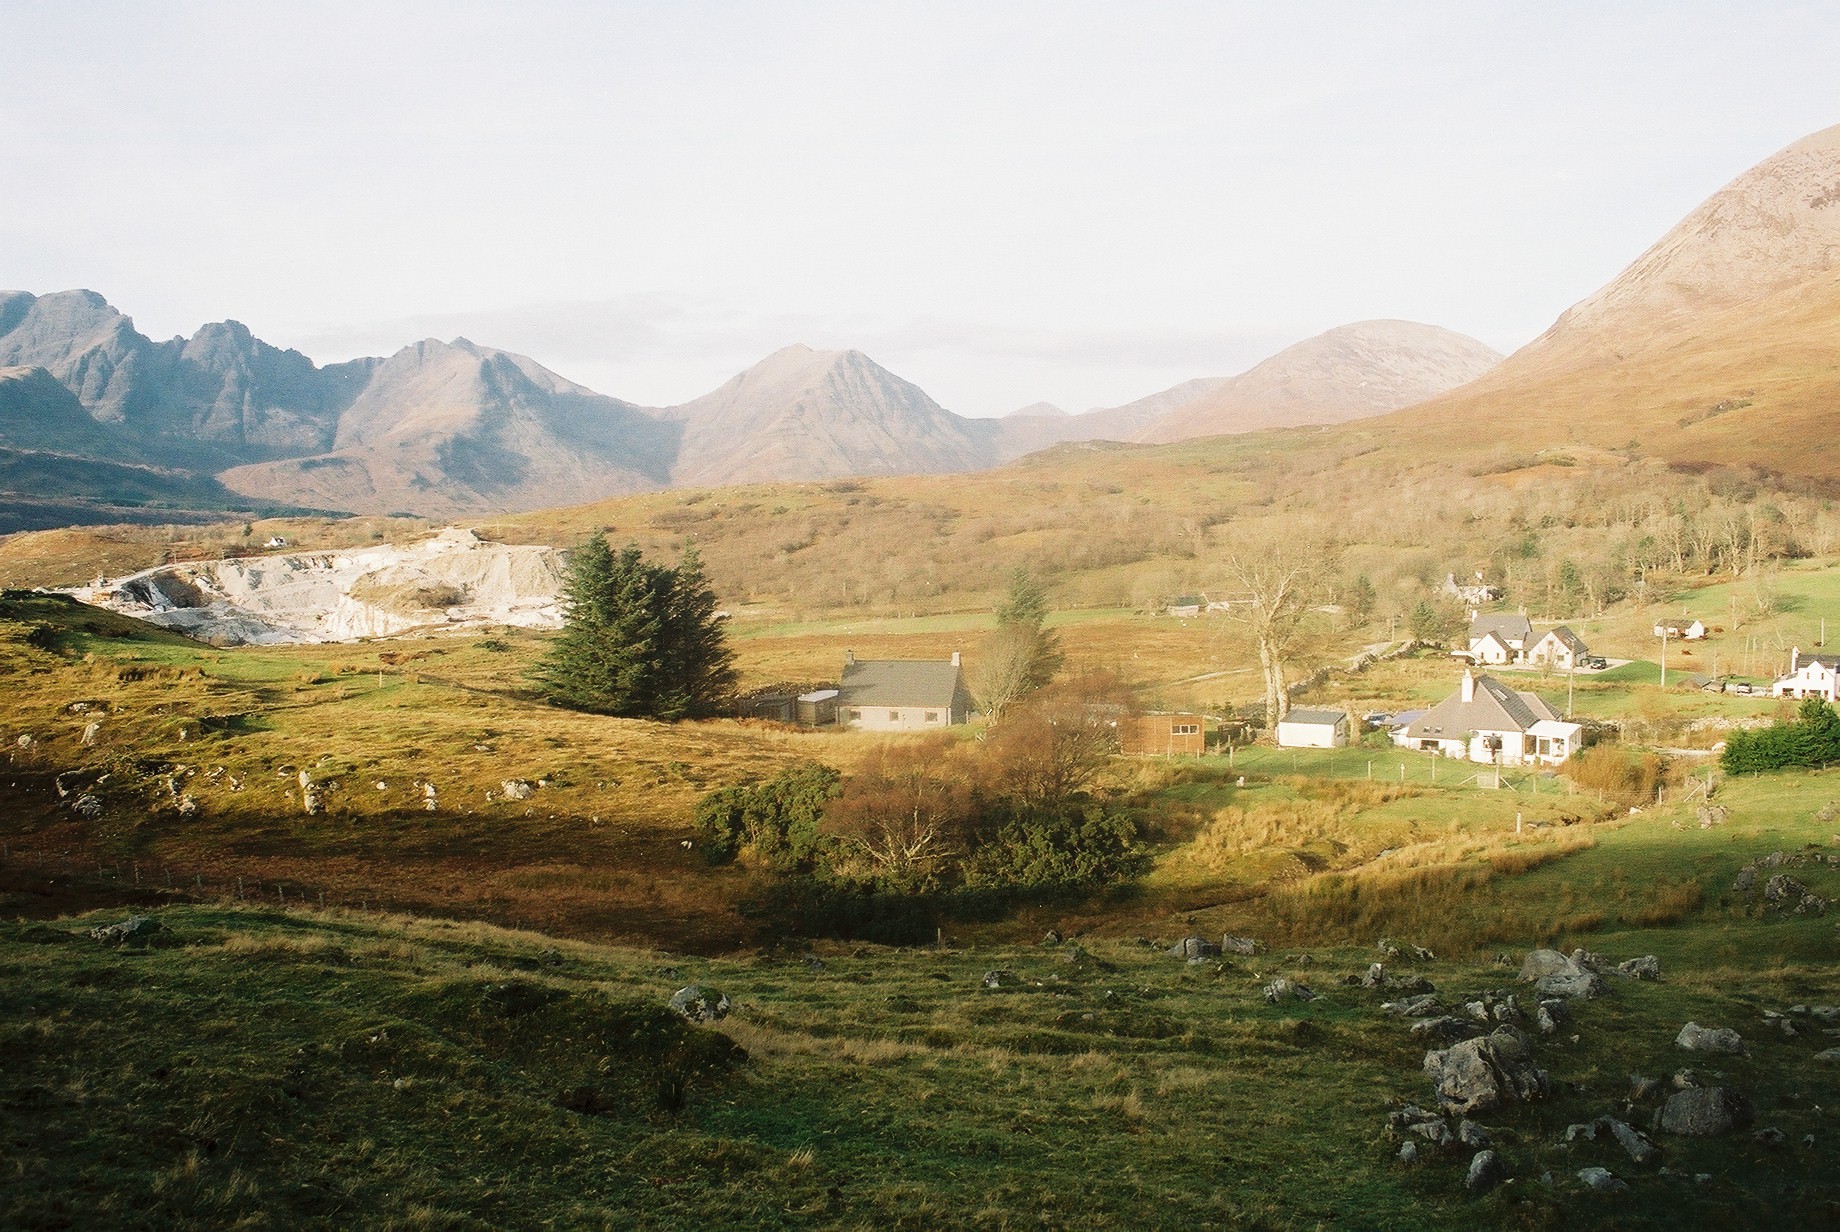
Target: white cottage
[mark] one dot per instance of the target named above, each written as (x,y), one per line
(1561,648)
(1809,676)
(1485,721)
(1499,638)
(902,694)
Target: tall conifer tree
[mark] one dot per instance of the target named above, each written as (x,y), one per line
(638,640)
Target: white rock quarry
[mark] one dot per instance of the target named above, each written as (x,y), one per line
(453,579)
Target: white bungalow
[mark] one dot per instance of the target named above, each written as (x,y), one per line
(1809,676)
(901,694)
(1485,721)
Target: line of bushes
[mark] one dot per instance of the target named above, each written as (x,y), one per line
(1812,738)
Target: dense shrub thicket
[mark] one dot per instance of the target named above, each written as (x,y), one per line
(933,828)
(1812,738)
(777,821)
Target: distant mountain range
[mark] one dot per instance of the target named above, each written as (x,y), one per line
(1715,347)
(451,429)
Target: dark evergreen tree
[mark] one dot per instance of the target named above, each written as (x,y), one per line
(696,668)
(638,640)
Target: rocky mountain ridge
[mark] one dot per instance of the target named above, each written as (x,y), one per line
(448,429)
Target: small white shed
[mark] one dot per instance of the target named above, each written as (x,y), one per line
(1313,729)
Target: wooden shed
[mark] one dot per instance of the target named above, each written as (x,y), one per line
(1165,734)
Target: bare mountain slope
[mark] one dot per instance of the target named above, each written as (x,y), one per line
(1715,347)
(805,414)
(445,429)
(1351,372)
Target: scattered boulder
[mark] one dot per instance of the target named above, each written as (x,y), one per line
(87,806)
(700,1004)
(1648,967)
(1285,989)
(1408,1152)
(1550,1014)
(1830,1056)
(1783,888)
(91,730)
(1000,978)
(1770,1136)
(1602,1180)
(1052,937)
(1640,1146)
(1572,985)
(1541,963)
(1447,1029)
(517,789)
(1828,1015)
(1194,949)
(1472,1135)
(1695,1038)
(1245,946)
(1684,1079)
(1705,1112)
(133,930)
(1479,1075)
(1410,1115)
(1412,1007)
(1486,1171)
(1641,1088)
(1436,1132)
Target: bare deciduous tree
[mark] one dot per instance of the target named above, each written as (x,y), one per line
(904,812)
(1276,580)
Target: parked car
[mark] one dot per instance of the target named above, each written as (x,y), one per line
(1377,719)
(1739,686)
(1593,662)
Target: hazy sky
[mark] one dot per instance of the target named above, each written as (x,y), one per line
(1003,202)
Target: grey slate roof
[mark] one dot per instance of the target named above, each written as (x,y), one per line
(1494,707)
(901,682)
(1331,717)
(1509,626)
(1571,641)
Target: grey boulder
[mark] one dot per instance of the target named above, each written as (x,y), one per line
(1695,1038)
(700,1004)
(1479,1075)
(1486,1171)
(1706,1112)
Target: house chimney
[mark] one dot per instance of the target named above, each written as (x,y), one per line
(955,658)
(1795,659)
(849,658)
(1469,686)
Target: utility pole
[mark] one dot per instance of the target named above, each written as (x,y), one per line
(1664,633)
(1570,677)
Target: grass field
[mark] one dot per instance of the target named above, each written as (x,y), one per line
(267,1062)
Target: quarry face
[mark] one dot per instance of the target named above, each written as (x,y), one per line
(452,580)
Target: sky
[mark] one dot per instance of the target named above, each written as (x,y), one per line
(1005,203)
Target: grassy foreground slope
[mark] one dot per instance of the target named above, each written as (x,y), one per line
(256,1068)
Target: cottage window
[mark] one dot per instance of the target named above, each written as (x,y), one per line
(932,716)
(1184,729)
